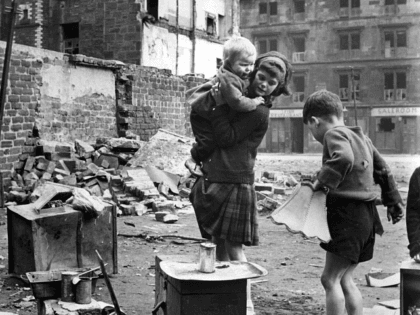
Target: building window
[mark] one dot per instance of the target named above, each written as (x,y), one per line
(299,6)
(70,38)
(350,41)
(299,88)
(273,8)
(210,24)
(395,86)
(349,3)
(152,8)
(385,124)
(266,45)
(394,39)
(391,6)
(298,49)
(395,2)
(263,8)
(349,7)
(349,87)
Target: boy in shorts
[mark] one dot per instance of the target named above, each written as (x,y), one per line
(239,55)
(351,165)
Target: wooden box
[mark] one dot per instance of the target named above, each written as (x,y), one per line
(186,297)
(409,286)
(59,238)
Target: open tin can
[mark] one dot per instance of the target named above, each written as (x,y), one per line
(207,257)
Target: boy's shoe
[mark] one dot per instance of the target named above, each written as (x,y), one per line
(193,167)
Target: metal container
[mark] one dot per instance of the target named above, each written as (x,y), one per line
(207,257)
(67,288)
(84,291)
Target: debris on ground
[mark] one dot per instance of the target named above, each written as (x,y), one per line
(139,177)
(382,279)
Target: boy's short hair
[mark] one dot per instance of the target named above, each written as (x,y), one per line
(323,104)
(237,46)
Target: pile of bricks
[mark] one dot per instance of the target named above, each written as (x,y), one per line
(103,170)
(272,189)
(79,165)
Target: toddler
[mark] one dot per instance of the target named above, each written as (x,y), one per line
(239,55)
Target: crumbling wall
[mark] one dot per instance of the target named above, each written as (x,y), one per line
(67,97)
(151,98)
(77,101)
(60,99)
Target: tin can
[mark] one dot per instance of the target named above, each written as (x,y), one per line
(84,291)
(207,257)
(67,288)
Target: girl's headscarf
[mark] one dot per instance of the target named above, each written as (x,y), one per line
(271,63)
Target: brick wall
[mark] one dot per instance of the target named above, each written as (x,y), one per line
(150,98)
(57,97)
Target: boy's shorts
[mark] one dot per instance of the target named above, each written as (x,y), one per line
(352,225)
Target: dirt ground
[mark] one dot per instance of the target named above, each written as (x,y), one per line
(294,264)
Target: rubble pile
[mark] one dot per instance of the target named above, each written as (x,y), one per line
(273,189)
(118,170)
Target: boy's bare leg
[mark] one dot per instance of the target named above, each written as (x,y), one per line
(352,295)
(335,268)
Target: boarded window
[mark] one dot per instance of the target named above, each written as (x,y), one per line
(263,8)
(401,38)
(355,3)
(344,42)
(273,44)
(401,80)
(299,43)
(299,6)
(389,81)
(389,38)
(299,83)
(262,46)
(273,8)
(344,3)
(355,40)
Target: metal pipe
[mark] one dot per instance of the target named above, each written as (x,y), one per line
(193,37)
(354,96)
(177,37)
(4,82)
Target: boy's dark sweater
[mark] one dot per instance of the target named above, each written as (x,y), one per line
(413,213)
(351,166)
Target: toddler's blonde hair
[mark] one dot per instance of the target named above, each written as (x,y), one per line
(237,46)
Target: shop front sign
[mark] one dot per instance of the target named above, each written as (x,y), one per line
(396,111)
(286,113)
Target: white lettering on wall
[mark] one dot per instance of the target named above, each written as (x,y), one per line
(396,111)
(283,113)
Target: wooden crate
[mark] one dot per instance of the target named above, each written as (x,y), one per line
(185,297)
(409,286)
(59,238)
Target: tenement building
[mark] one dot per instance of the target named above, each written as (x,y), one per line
(366,51)
(184,36)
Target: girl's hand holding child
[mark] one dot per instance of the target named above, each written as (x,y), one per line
(258,100)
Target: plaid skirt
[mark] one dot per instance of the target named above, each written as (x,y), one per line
(226,211)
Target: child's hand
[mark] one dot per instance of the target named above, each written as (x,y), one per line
(417,258)
(259,100)
(217,95)
(395,213)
